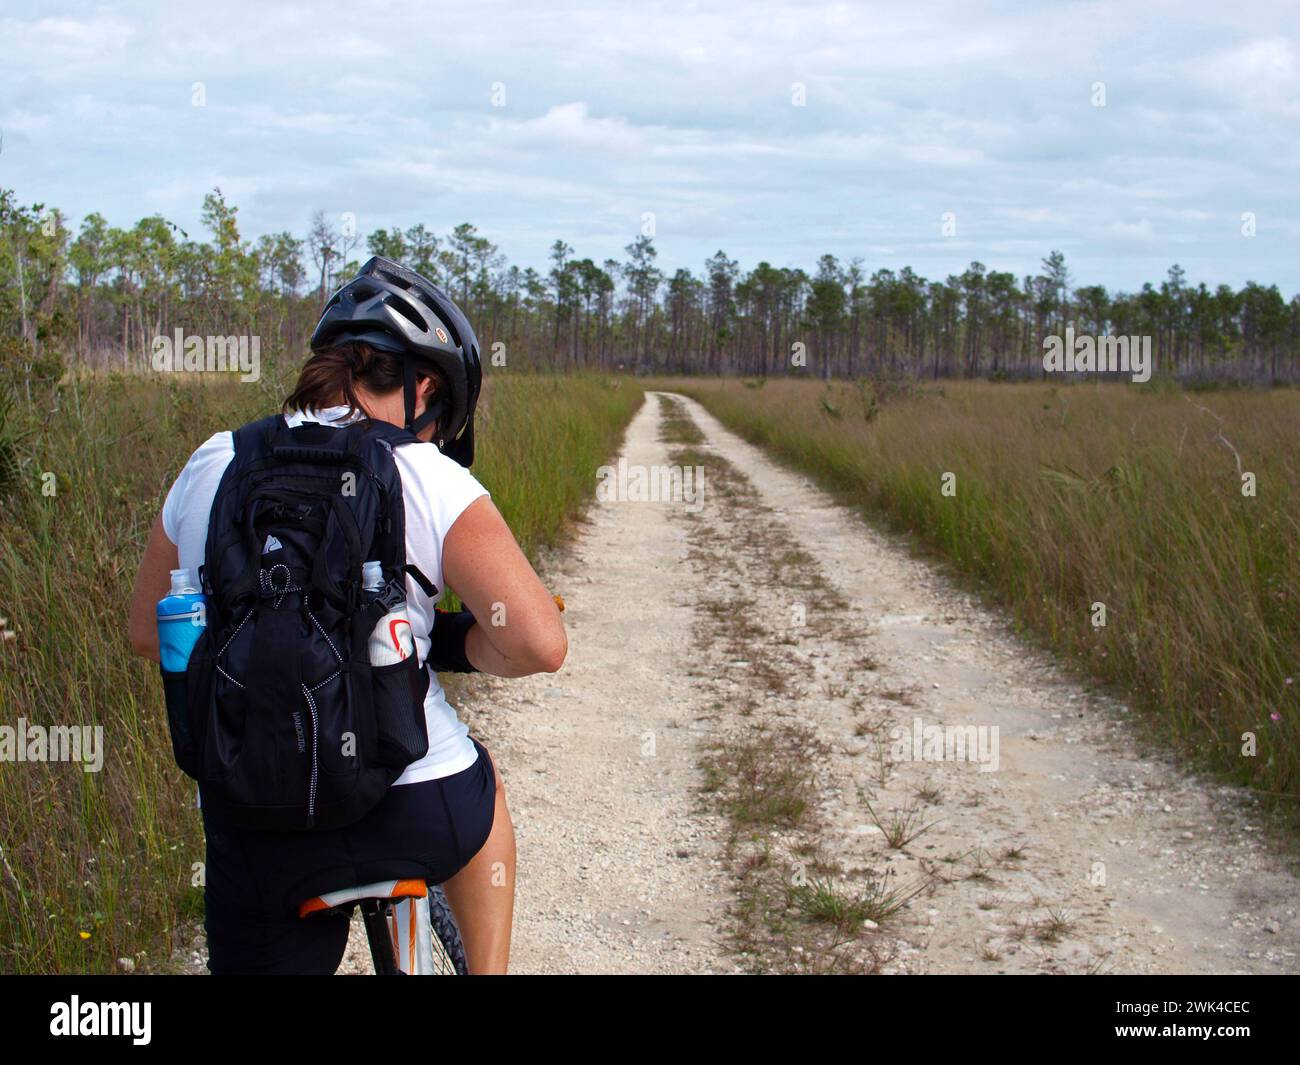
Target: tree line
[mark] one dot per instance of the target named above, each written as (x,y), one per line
(98,297)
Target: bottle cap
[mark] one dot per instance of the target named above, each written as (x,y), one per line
(183,582)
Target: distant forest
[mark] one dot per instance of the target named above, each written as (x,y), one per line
(98,297)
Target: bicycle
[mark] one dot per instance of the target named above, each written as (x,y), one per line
(409,925)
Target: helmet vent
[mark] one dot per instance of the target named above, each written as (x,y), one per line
(406,311)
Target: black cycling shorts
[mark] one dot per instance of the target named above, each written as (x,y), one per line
(255,880)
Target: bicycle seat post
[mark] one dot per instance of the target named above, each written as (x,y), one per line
(374,912)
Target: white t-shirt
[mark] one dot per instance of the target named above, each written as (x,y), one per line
(435,492)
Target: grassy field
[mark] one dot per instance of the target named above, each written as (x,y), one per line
(102,866)
(1067,497)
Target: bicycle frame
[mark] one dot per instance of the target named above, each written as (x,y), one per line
(400,935)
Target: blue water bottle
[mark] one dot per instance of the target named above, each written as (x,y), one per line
(181,619)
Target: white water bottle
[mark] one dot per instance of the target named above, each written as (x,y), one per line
(391,640)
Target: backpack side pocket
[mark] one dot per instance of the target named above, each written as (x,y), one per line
(185,695)
(176,696)
(399,691)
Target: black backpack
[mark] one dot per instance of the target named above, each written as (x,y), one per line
(280,716)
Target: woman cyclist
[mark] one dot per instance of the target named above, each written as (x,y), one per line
(392,347)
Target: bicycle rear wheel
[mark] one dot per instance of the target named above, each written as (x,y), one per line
(448,950)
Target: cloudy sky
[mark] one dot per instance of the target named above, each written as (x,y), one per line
(542,120)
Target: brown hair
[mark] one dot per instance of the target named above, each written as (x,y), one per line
(330,377)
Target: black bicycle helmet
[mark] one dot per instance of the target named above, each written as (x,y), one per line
(397,310)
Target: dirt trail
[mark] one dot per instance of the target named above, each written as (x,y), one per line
(620,869)
(1077,854)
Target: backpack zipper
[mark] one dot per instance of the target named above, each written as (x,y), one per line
(315,733)
(315,765)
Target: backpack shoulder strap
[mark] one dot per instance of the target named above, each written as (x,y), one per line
(389,438)
(395,435)
(252,441)
(250,445)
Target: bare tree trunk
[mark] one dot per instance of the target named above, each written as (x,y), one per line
(22,292)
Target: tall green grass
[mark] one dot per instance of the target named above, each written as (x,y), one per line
(98,867)
(541,438)
(1076,495)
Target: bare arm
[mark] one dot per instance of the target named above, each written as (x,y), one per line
(152,582)
(518,630)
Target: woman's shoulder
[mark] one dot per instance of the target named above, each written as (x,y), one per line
(196,484)
(219,447)
(217,442)
(442,485)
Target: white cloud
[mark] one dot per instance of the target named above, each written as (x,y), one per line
(65,37)
(1140,230)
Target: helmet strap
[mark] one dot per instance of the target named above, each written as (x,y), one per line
(410,387)
(462,448)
